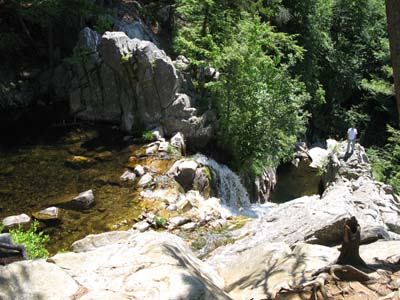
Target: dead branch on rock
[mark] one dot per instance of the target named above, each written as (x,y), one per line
(344,272)
(315,286)
(345,268)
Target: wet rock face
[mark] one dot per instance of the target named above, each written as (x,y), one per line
(192,176)
(133,83)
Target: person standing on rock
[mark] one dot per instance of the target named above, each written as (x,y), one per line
(351,139)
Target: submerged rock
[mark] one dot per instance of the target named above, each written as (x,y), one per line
(78,161)
(83,200)
(48,214)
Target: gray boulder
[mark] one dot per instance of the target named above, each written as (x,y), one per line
(13,221)
(178,142)
(9,252)
(260,188)
(36,279)
(192,176)
(128,176)
(133,265)
(185,173)
(48,214)
(83,200)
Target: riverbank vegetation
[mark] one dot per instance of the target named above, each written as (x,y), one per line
(32,239)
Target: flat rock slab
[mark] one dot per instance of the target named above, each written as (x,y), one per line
(147,266)
(259,272)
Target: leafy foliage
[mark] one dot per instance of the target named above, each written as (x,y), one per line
(259,103)
(386,161)
(148,136)
(345,64)
(33,240)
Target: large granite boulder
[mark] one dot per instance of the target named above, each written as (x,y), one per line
(261,187)
(115,266)
(260,272)
(133,83)
(36,279)
(134,265)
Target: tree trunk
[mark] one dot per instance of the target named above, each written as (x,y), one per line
(393,22)
(349,253)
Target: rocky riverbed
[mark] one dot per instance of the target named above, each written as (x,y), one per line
(48,173)
(271,254)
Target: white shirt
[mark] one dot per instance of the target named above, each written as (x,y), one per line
(352,133)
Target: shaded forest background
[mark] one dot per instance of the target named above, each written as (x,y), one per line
(287,71)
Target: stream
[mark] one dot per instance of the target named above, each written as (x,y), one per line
(40,174)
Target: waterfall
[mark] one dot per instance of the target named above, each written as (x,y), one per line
(231,191)
(229,188)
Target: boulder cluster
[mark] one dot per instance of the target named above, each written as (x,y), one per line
(273,252)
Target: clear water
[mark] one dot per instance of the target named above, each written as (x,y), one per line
(36,175)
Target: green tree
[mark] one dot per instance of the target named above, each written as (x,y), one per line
(259,103)
(345,62)
(46,23)
(203,26)
(386,161)
(393,22)
(311,21)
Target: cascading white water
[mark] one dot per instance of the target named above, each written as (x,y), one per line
(230,189)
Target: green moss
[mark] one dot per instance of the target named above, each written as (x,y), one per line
(126,57)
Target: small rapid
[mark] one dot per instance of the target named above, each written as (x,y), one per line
(231,190)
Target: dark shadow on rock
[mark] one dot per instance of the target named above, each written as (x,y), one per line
(12,285)
(347,155)
(201,287)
